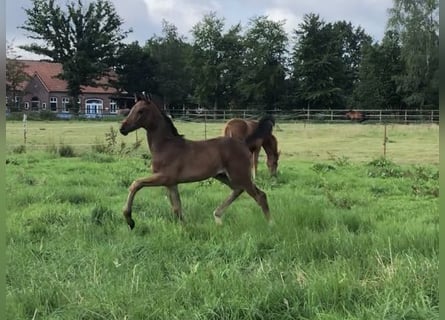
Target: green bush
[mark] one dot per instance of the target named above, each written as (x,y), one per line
(19,149)
(384,168)
(66,151)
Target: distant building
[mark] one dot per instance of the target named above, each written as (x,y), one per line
(45,91)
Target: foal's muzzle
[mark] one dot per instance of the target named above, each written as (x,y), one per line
(123,131)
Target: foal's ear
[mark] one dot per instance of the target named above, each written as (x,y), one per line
(142,96)
(147,96)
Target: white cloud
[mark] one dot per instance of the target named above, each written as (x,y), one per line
(145,16)
(20,53)
(280,14)
(183,14)
(371,15)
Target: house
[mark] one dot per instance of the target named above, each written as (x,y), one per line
(45,91)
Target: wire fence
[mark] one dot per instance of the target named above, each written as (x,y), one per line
(294,115)
(312,115)
(90,135)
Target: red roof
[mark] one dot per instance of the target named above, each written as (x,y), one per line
(47,72)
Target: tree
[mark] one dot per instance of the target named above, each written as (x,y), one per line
(326,60)
(264,73)
(381,65)
(351,41)
(15,75)
(417,23)
(135,69)
(83,39)
(317,63)
(231,50)
(206,59)
(171,70)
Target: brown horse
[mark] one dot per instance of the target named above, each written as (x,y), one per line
(178,160)
(354,115)
(240,129)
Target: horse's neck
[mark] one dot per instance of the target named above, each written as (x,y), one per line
(251,126)
(158,137)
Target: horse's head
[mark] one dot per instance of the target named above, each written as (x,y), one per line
(271,147)
(272,164)
(144,114)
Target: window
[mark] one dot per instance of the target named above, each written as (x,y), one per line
(43,105)
(26,105)
(113,106)
(35,104)
(65,104)
(93,106)
(53,104)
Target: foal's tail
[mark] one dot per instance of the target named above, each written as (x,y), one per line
(264,129)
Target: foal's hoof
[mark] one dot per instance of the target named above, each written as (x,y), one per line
(218,221)
(131,224)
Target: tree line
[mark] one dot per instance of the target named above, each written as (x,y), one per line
(257,66)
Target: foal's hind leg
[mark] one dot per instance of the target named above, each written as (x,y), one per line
(217,214)
(175,200)
(255,156)
(261,198)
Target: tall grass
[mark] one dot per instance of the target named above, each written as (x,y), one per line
(351,240)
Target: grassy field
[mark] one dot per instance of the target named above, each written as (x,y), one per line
(355,235)
(297,141)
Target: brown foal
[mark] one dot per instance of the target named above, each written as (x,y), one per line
(178,160)
(358,116)
(241,129)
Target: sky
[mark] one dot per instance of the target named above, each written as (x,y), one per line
(145,17)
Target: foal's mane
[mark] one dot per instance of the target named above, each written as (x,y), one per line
(170,124)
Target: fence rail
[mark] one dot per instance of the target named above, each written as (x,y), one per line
(314,115)
(295,115)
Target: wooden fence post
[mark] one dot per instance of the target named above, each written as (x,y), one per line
(25,122)
(385,138)
(205,124)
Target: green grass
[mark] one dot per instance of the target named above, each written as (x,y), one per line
(353,238)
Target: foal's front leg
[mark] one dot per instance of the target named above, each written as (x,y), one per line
(153,181)
(175,201)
